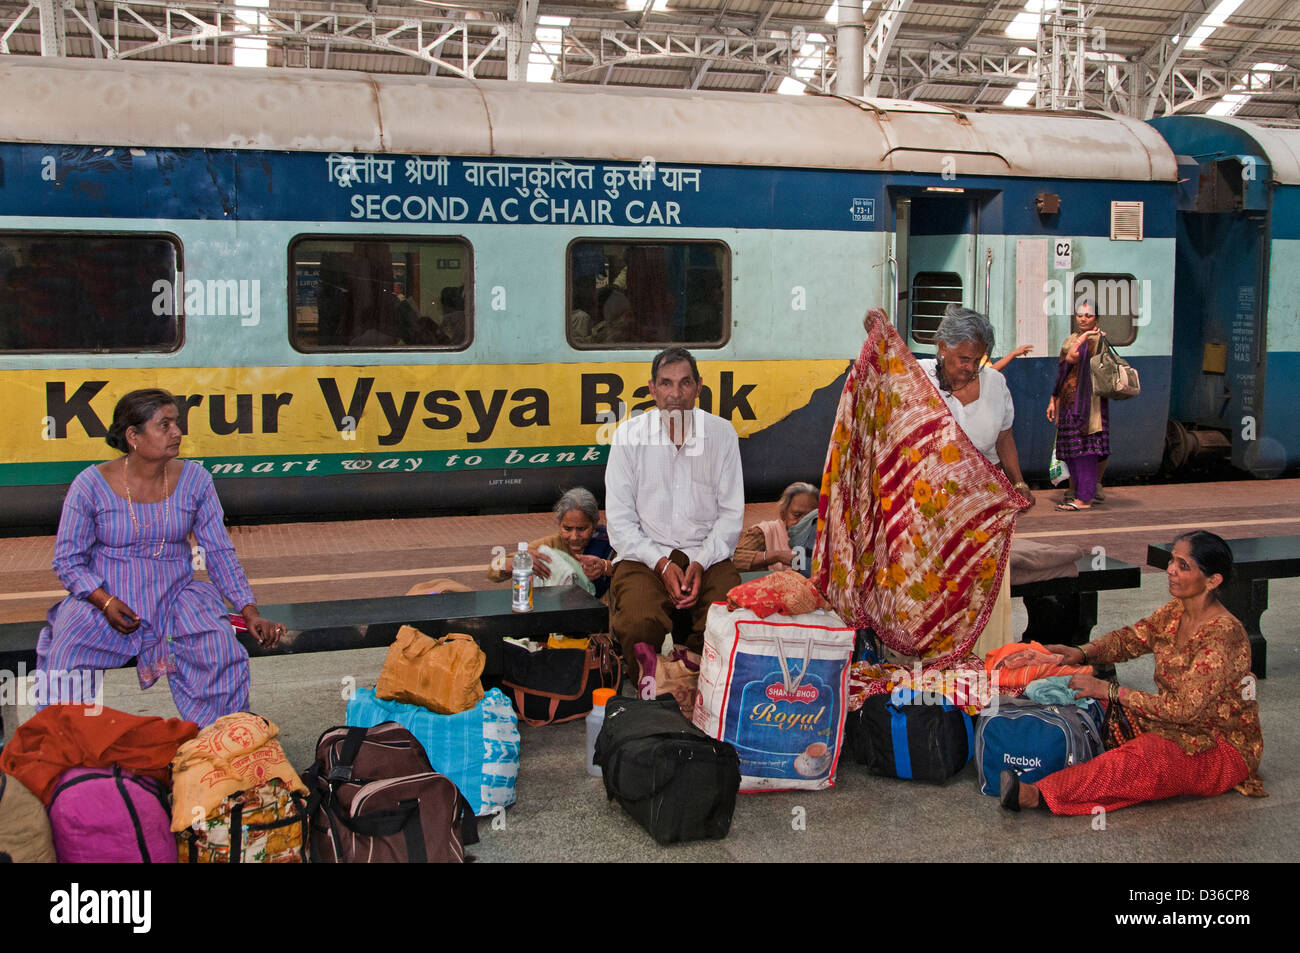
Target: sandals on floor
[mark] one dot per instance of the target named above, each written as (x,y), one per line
(1009,793)
(1073,506)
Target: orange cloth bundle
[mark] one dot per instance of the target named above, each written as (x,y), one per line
(781,593)
(442,675)
(1019,663)
(67,736)
(235,753)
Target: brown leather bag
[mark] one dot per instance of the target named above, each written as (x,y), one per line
(440,674)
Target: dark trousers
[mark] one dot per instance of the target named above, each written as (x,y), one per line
(643,612)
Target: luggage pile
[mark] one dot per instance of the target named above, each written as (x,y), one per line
(768,713)
(235,798)
(432,688)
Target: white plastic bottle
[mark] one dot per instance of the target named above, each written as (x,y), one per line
(521,581)
(595,721)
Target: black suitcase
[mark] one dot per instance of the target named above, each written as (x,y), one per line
(676,781)
(929,741)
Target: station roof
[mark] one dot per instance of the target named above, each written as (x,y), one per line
(1138,57)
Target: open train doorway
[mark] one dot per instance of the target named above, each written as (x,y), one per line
(939,260)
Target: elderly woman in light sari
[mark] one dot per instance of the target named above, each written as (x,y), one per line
(767,545)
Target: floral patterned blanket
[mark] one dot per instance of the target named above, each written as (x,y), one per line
(914,524)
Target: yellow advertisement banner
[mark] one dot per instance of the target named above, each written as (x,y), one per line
(59,415)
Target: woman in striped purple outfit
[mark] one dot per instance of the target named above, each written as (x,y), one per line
(123,553)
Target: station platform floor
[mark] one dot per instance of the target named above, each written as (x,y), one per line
(562,813)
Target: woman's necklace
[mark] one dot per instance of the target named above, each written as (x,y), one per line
(130,508)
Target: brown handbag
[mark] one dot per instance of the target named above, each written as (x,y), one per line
(1118,727)
(439,674)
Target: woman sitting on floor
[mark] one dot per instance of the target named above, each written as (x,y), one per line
(1200,731)
(766,545)
(580,536)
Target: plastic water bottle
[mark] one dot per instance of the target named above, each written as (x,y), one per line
(595,720)
(521,581)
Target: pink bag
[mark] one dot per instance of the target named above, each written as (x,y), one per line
(676,674)
(111,816)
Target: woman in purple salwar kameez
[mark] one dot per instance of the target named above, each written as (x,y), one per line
(1082,419)
(123,552)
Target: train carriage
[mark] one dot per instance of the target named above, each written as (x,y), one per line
(407,294)
(1236,350)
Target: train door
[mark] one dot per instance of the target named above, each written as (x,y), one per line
(935,252)
(1217,384)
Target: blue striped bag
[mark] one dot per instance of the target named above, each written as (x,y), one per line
(478,749)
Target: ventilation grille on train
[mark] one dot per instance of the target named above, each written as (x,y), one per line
(932,292)
(1126,221)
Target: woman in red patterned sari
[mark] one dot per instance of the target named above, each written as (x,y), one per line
(1200,732)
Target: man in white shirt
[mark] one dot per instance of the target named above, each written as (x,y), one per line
(674,504)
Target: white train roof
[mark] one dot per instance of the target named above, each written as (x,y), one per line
(141,104)
(1281,147)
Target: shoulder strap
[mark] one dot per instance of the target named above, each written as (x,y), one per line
(135,818)
(347,757)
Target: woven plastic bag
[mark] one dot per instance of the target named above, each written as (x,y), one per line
(477,749)
(776,689)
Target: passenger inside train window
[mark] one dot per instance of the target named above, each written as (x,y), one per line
(647,294)
(376,295)
(72,293)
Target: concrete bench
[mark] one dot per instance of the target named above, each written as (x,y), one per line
(370,623)
(1255,561)
(1064,610)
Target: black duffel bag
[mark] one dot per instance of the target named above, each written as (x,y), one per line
(676,781)
(556,685)
(897,736)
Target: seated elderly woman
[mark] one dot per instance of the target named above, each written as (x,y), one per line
(767,545)
(123,553)
(1200,731)
(580,536)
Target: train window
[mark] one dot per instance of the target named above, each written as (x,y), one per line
(648,294)
(88,292)
(932,292)
(1118,299)
(377,293)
